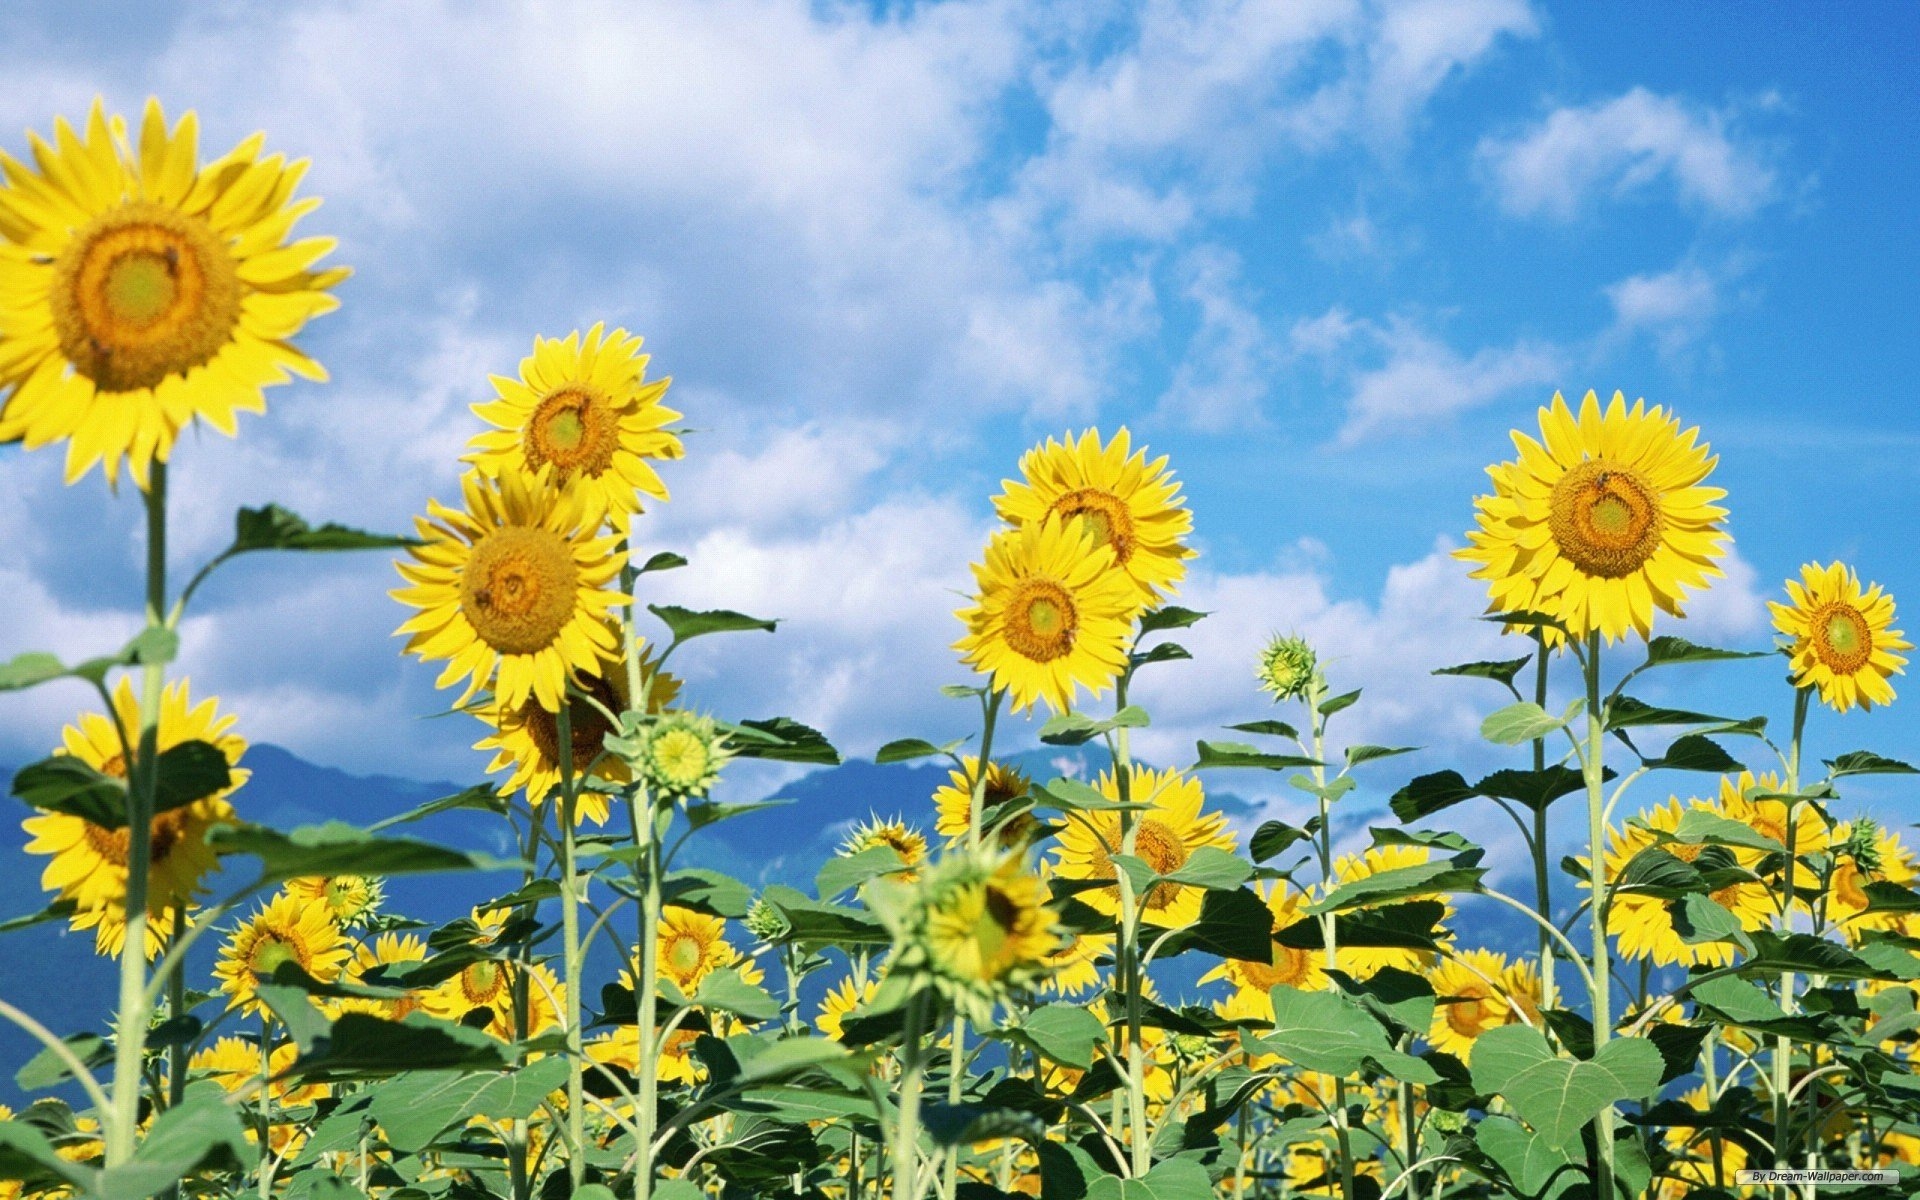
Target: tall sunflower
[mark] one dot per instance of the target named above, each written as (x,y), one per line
(1480,990)
(586,411)
(1127,503)
(1166,834)
(1642,924)
(953,803)
(89,864)
(1302,969)
(1052,614)
(285,929)
(1364,961)
(1602,521)
(1844,642)
(517,582)
(527,738)
(140,290)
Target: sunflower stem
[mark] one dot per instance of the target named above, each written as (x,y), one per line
(1783,1046)
(130,1030)
(1329,931)
(979,792)
(906,1134)
(647,986)
(570,935)
(176,1008)
(1594,768)
(1141,1144)
(1542,881)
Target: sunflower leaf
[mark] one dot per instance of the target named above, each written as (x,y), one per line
(1401,883)
(1425,795)
(780,739)
(904,750)
(1212,868)
(1669,650)
(843,873)
(1559,1096)
(1169,617)
(1328,1031)
(686,624)
(1710,828)
(1361,754)
(1344,700)
(1517,723)
(65,784)
(1065,1033)
(1695,753)
(1865,762)
(1500,671)
(277,528)
(479,796)
(1276,728)
(728,991)
(1240,754)
(336,848)
(666,560)
(1274,836)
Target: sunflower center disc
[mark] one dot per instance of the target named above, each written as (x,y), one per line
(574,429)
(1605,519)
(1842,639)
(681,757)
(1041,621)
(1469,1014)
(518,588)
(113,845)
(268,953)
(1163,850)
(588,725)
(480,981)
(684,956)
(1289,966)
(142,293)
(1104,515)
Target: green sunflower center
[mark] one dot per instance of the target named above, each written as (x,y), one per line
(573,428)
(481,982)
(1102,514)
(684,956)
(681,757)
(518,588)
(1842,640)
(268,954)
(1041,621)
(1605,519)
(143,293)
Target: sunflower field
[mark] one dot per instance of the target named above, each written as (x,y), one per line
(1075,988)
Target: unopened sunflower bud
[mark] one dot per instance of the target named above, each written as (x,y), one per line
(1863,845)
(1287,667)
(766,922)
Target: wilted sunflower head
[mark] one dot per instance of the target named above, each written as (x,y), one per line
(1287,667)
(977,926)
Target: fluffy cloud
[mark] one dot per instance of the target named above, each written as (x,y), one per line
(1624,145)
(1223,376)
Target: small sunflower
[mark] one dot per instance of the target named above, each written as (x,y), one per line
(518,581)
(1128,504)
(89,864)
(1642,924)
(527,738)
(621,1048)
(1302,969)
(693,945)
(349,899)
(1480,990)
(1865,853)
(1166,834)
(1052,615)
(285,929)
(978,926)
(234,1063)
(843,1000)
(388,949)
(487,986)
(896,835)
(140,290)
(1075,967)
(1746,798)
(1844,642)
(1602,521)
(585,411)
(953,804)
(1364,961)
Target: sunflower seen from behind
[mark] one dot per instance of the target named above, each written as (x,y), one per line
(140,289)
(88,864)
(1166,833)
(1602,522)
(1843,640)
(953,803)
(1126,503)
(515,591)
(583,410)
(1051,614)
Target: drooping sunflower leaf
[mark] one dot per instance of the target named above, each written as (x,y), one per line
(1362,754)
(1168,617)
(1670,650)
(1558,1096)
(781,739)
(1073,729)
(904,750)
(686,623)
(1240,754)
(480,796)
(1500,671)
(1865,762)
(276,528)
(1427,794)
(1340,703)
(1520,722)
(1275,836)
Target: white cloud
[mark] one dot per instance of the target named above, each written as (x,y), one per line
(1223,376)
(1418,44)
(1623,145)
(1672,307)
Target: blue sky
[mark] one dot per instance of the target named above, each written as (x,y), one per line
(1323,253)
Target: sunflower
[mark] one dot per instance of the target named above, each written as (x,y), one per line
(527,738)
(1166,834)
(842,1001)
(139,290)
(1698,1162)
(518,581)
(977,926)
(349,899)
(388,949)
(1126,503)
(1642,923)
(89,864)
(1287,667)
(487,986)
(676,1064)
(1844,642)
(1052,614)
(586,412)
(953,803)
(678,755)
(894,834)
(1302,969)
(693,945)
(1865,853)
(285,929)
(1747,799)
(1601,522)
(1480,990)
(1074,968)
(234,1063)
(1363,961)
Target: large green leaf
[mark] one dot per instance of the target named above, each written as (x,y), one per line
(202,1129)
(1529,1160)
(685,623)
(728,991)
(1173,1179)
(1275,836)
(1364,754)
(415,1108)
(362,1046)
(1520,722)
(1458,874)
(479,796)
(1696,752)
(152,646)
(1326,1031)
(339,849)
(1065,1033)
(46,1068)
(1213,868)
(781,739)
(1500,670)
(1240,754)
(905,750)
(708,891)
(1557,1096)
(843,873)
(1865,762)
(276,528)
(189,771)
(1710,828)
(1671,651)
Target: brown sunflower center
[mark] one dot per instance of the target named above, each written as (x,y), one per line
(482,982)
(1041,621)
(518,588)
(684,955)
(1103,514)
(1605,519)
(1289,966)
(1472,1011)
(586,723)
(1159,847)
(1841,637)
(573,428)
(113,844)
(142,293)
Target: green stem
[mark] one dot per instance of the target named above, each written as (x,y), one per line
(906,1134)
(1783,1046)
(1128,950)
(130,1030)
(647,986)
(1542,880)
(570,935)
(1329,934)
(1594,767)
(978,798)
